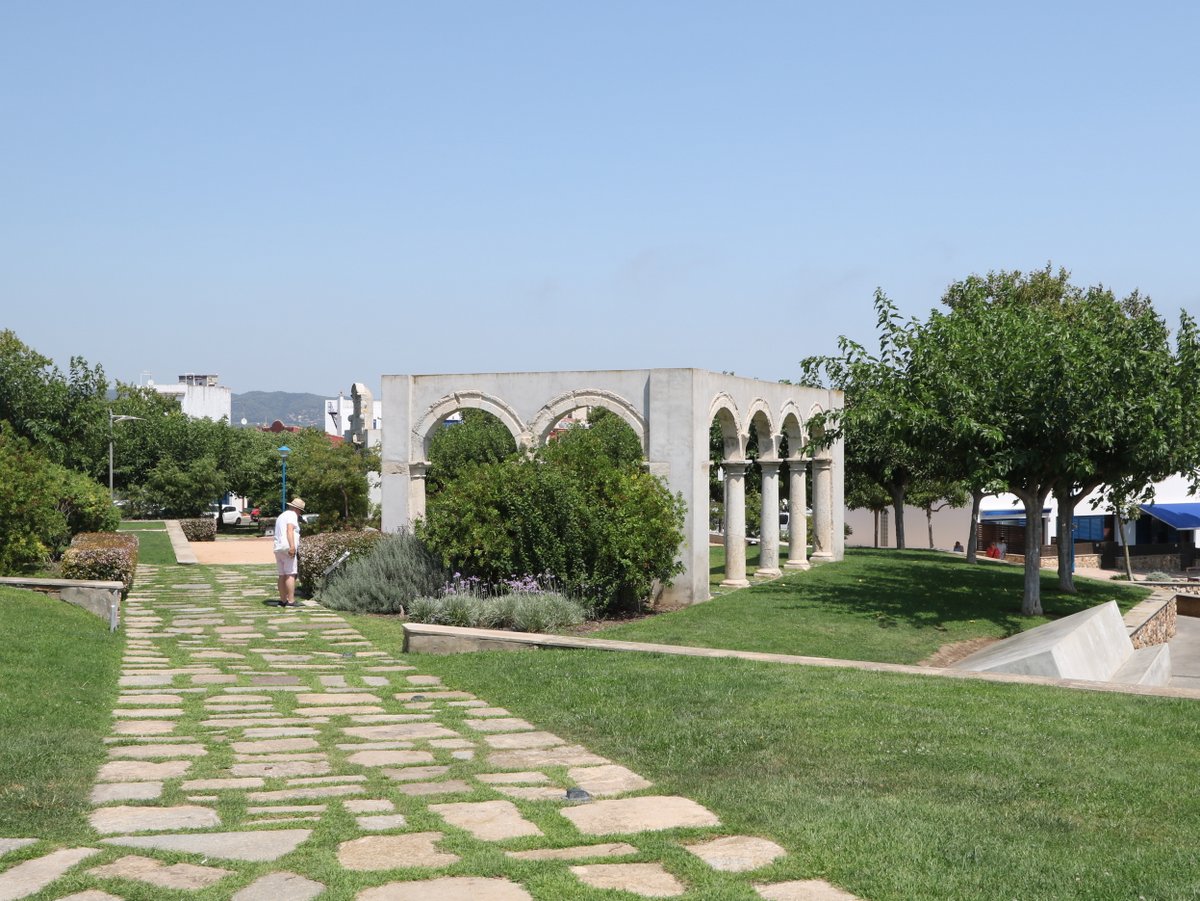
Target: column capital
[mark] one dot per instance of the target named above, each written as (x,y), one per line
(769,466)
(735,467)
(821,463)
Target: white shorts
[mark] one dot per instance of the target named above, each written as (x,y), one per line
(286,563)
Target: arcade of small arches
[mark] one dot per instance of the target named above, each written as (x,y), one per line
(670,411)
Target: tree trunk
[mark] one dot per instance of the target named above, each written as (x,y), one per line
(898,508)
(1125,548)
(1066,538)
(876,515)
(977,496)
(1034,500)
(929,522)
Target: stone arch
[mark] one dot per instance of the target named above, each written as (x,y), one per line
(549,416)
(791,424)
(758,414)
(477,400)
(724,409)
(816,430)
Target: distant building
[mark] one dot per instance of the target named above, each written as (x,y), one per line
(200,396)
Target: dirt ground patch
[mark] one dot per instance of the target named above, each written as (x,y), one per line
(234,550)
(951,653)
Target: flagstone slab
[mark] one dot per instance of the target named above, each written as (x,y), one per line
(92,894)
(610,779)
(387,852)
(143,727)
(499,724)
(425,789)
(376,681)
(326,780)
(415,773)
(213,679)
(107,792)
(280,732)
(431,695)
(328,710)
(250,846)
(275,745)
(804,890)
(521,740)
(151,699)
(236,722)
(146,679)
(532,777)
(281,885)
(288,808)
(152,819)
(390,758)
(539,758)
(265,679)
(532,792)
(375,746)
(448,888)
(737,853)
(146,752)
(423,680)
(141,771)
(236,699)
(649,880)
(299,794)
(12,844)
(146,869)
(31,876)
(368,805)
(645,814)
(579,852)
(274,769)
(381,822)
(489,821)
(401,731)
(483,711)
(201,785)
(339,698)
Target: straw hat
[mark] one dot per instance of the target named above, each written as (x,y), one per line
(297,504)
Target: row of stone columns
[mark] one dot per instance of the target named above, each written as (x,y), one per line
(735,517)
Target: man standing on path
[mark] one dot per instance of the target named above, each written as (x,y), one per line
(287,550)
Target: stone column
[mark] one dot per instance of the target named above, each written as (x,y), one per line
(416,492)
(798,516)
(822,511)
(735,524)
(768,534)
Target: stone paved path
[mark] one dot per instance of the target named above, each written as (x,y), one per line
(264,754)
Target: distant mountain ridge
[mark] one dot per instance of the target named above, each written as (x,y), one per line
(290,408)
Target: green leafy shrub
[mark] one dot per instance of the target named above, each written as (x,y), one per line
(85,503)
(102,556)
(399,568)
(202,529)
(318,552)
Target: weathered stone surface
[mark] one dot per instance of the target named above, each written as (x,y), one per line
(252,846)
(213,679)
(423,680)
(478,709)
(639,815)
(387,852)
(341,699)
(279,732)
(283,768)
(521,740)
(579,852)
(489,821)
(273,679)
(326,780)
(145,819)
(93,894)
(500,724)
(12,844)
(539,758)
(104,793)
(31,876)
(804,890)
(167,700)
(281,886)
(401,731)
(390,758)
(296,794)
(381,822)
(533,792)
(145,869)
(737,853)
(649,880)
(422,789)
(368,805)
(610,779)
(147,752)
(448,888)
(145,679)
(141,771)
(374,746)
(531,777)
(416,773)
(430,695)
(202,785)
(143,727)
(330,710)
(142,713)
(275,745)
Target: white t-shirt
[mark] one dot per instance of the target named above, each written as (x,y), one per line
(281,524)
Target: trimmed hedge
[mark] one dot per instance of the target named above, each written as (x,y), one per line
(102,556)
(317,553)
(202,529)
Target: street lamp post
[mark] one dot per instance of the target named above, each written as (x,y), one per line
(111,419)
(283,452)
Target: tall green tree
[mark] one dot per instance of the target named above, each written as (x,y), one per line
(332,478)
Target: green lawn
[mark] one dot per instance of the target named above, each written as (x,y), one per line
(893,787)
(154,547)
(888,606)
(58,678)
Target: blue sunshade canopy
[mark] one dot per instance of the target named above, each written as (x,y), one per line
(1177,516)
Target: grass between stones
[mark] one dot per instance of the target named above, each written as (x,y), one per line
(58,677)
(887,606)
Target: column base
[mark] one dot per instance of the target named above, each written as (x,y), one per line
(797,564)
(735,583)
(820,557)
(767,573)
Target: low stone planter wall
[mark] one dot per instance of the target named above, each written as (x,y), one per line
(1152,621)
(101,598)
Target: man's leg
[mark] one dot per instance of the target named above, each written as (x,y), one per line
(290,589)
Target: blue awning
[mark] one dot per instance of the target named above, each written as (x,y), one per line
(1177,516)
(1015,515)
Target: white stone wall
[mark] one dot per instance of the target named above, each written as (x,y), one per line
(670,410)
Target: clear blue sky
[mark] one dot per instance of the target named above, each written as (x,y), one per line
(302,195)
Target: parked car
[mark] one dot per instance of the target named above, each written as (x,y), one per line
(309,517)
(229,514)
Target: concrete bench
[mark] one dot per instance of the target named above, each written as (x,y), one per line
(100,598)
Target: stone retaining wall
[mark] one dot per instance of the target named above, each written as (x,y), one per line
(1157,625)
(100,598)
